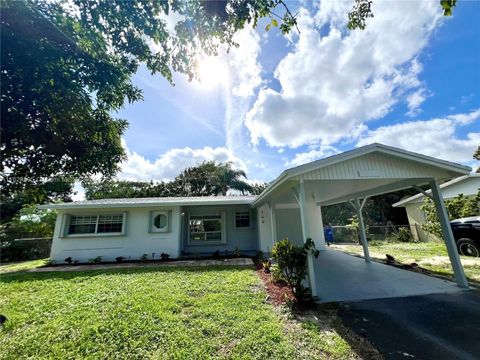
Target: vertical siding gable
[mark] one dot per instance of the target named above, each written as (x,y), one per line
(376,166)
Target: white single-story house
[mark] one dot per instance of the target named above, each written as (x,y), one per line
(468,185)
(289,207)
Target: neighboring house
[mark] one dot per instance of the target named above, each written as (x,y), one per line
(468,185)
(289,207)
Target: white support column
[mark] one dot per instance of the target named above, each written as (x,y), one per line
(307,233)
(442,214)
(361,227)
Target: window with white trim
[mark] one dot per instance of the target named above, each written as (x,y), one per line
(242,220)
(160,221)
(206,228)
(111,224)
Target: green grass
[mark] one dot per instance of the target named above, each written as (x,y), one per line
(169,312)
(21,265)
(431,255)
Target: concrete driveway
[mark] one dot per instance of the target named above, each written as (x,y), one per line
(343,277)
(439,326)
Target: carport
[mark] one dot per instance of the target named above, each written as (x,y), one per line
(299,193)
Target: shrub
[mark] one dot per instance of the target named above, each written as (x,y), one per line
(259,257)
(237,252)
(266,266)
(277,275)
(164,256)
(119,259)
(68,260)
(95,260)
(292,261)
(403,235)
(458,207)
(144,257)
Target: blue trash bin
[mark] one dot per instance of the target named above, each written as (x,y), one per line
(328,231)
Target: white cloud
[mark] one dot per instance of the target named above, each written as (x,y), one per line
(331,85)
(465,119)
(436,137)
(415,100)
(312,155)
(245,69)
(171,163)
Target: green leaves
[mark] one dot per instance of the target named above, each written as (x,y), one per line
(447,6)
(362,11)
(66,68)
(457,207)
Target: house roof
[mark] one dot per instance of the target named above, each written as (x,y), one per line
(419,196)
(155,201)
(364,150)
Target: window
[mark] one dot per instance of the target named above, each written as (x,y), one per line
(160,221)
(110,223)
(96,224)
(206,228)
(242,219)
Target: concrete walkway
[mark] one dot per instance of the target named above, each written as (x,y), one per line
(139,265)
(343,277)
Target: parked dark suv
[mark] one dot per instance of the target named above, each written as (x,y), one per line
(467,235)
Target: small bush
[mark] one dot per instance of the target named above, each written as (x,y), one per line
(144,257)
(259,257)
(292,261)
(164,256)
(403,235)
(237,252)
(277,275)
(68,260)
(266,266)
(119,259)
(95,260)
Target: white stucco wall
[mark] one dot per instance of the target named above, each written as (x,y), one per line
(289,225)
(136,241)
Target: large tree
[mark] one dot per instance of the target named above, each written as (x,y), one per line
(66,67)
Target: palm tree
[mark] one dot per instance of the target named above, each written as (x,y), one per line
(230,178)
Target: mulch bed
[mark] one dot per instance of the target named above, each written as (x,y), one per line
(278,293)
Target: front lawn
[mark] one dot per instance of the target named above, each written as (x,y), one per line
(431,255)
(21,265)
(176,313)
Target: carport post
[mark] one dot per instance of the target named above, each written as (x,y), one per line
(442,214)
(361,225)
(302,202)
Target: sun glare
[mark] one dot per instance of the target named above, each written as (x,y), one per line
(212,72)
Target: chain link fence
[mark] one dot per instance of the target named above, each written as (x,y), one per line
(23,246)
(350,234)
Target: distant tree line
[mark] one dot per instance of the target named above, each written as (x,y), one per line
(207,179)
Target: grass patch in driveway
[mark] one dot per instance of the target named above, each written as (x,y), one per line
(176,313)
(430,255)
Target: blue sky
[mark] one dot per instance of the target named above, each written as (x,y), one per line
(410,80)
